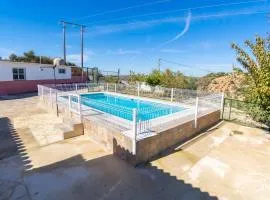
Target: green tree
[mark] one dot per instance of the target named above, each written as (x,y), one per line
(154,78)
(30,56)
(256,61)
(172,79)
(13,57)
(134,77)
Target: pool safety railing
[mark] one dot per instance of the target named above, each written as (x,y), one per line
(137,123)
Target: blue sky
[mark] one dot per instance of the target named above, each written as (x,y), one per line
(134,34)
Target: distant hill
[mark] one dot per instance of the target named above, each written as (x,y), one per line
(230,84)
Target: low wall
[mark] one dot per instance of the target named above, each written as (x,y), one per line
(147,148)
(24,86)
(111,139)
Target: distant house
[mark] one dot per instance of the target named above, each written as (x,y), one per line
(21,77)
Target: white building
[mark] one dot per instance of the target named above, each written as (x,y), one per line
(10,71)
(20,77)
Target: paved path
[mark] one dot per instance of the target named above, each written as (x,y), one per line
(228,162)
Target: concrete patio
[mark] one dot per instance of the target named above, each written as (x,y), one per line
(228,162)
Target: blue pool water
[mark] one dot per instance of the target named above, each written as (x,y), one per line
(123,106)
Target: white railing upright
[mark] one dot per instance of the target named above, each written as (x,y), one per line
(69,105)
(134,130)
(138,89)
(172,95)
(196,112)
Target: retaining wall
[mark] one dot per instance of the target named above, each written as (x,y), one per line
(146,149)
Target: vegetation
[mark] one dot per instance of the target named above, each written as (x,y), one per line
(204,81)
(165,78)
(256,61)
(133,77)
(30,56)
(111,79)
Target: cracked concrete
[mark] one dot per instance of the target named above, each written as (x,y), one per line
(228,162)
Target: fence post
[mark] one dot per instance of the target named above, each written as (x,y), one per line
(171,94)
(138,88)
(222,104)
(76,86)
(51,97)
(107,85)
(196,112)
(56,99)
(79,106)
(115,87)
(134,130)
(69,104)
(42,92)
(230,109)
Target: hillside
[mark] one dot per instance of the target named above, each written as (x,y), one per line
(230,84)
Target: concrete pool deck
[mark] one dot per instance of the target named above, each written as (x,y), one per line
(228,162)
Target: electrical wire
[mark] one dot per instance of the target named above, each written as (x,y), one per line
(121,9)
(177,10)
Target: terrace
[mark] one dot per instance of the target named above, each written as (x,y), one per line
(142,120)
(229,161)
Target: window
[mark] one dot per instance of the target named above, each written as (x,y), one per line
(18,73)
(61,71)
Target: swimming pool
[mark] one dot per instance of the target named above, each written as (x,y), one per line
(122,106)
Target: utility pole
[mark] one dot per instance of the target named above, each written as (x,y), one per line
(118,75)
(82,28)
(64,40)
(82,44)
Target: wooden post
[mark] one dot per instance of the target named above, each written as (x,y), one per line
(134,130)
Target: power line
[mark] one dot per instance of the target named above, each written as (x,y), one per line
(121,9)
(177,10)
(182,65)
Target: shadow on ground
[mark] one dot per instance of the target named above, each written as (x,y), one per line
(105,177)
(17,96)
(11,143)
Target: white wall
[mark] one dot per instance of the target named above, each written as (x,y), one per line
(34,71)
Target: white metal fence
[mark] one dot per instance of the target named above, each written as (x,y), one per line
(136,123)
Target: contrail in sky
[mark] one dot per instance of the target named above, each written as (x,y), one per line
(188,20)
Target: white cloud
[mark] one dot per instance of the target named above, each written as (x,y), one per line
(186,28)
(123,52)
(76,58)
(173,51)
